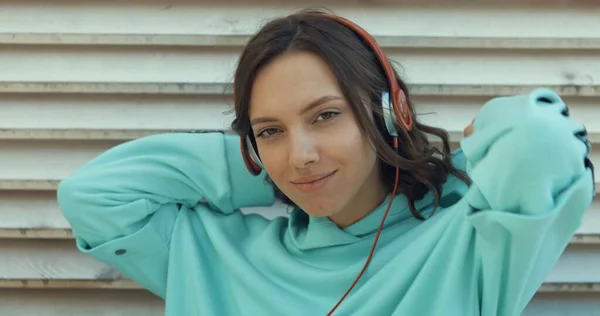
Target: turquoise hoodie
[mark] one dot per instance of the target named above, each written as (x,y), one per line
(164,210)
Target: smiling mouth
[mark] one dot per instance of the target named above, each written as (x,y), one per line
(314,185)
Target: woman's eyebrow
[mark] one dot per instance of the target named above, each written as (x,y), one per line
(310,106)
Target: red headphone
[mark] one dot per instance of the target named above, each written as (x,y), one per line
(400,114)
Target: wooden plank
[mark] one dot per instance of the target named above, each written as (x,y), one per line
(586,239)
(53,264)
(564,287)
(126,113)
(40,165)
(36,215)
(563,304)
(238,40)
(453,113)
(51,186)
(90,134)
(122,117)
(124,135)
(577,270)
(37,264)
(32,215)
(66,233)
(39,233)
(382,17)
(59,159)
(181,69)
(58,302)
(548,287)
(68,284)
(192,40)
(201,88)
(29,184)
(30,209)
(114,87)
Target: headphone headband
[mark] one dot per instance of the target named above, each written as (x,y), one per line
(397,95)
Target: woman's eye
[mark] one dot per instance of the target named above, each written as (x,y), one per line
(267,132)
(326,116)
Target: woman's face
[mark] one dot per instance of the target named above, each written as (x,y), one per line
(309,141)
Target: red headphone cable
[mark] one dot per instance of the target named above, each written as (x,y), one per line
(376,236)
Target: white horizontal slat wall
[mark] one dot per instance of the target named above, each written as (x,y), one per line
(77,78)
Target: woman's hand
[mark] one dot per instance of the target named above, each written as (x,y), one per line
(469,129)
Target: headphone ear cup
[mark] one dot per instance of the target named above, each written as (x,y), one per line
(250,157)
(402,110)
(389,117)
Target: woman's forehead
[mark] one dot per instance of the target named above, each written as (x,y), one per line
(291,82)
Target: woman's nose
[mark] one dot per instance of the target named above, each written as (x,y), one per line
(303,151)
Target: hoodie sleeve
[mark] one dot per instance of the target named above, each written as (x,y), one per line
(532,183)
(122,206)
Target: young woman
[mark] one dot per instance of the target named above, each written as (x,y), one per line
(383,222)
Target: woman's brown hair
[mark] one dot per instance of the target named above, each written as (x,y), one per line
(423,167)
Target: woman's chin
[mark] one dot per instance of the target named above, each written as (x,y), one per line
(317,208)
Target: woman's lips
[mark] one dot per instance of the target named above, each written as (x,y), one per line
(313,183)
